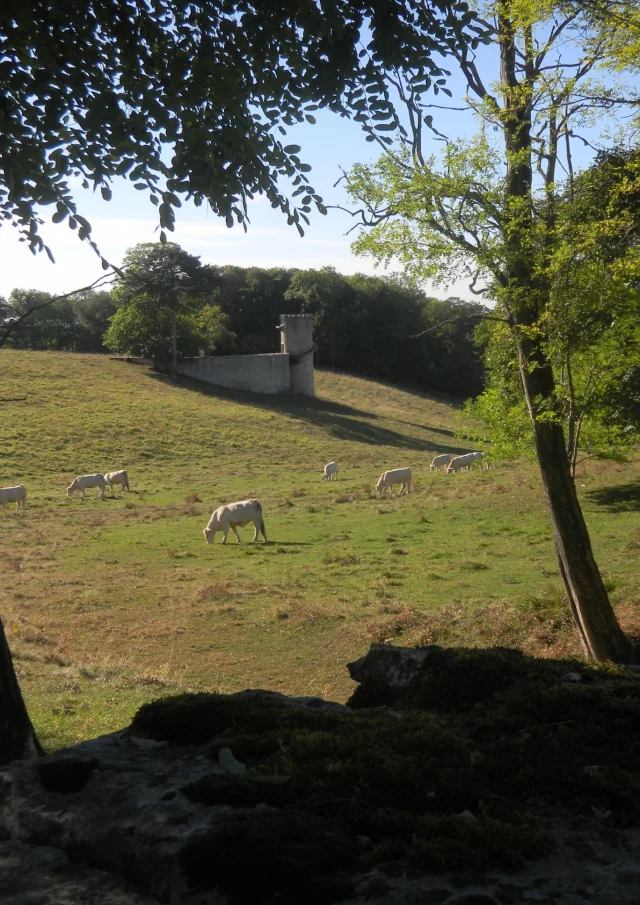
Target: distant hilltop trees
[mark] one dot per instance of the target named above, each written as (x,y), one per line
(362,324)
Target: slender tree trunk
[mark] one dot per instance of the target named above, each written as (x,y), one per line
(17,737)
(527,295)
(601,636)
(174,344)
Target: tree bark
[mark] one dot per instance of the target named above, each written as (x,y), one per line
(17,736)
(174,345)
(601,636)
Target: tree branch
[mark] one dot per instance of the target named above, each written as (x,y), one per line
(105,279)
(462,317)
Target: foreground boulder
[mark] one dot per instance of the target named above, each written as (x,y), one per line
(518,788)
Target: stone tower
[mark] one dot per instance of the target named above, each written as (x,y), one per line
(296,338)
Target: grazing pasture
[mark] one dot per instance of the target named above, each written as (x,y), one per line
(110,603)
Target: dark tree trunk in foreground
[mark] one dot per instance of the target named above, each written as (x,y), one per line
(17,737)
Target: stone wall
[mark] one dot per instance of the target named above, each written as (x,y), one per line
(257,373)
(296,338)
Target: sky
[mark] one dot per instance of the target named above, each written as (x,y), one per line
(331,146)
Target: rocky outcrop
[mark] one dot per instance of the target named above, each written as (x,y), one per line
(447,679)
(41,875)
(260,799)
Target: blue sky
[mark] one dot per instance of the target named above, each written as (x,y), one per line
(332,145)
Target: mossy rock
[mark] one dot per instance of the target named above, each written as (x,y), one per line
(459,679)
(192,719)
(494,733)
(285,857)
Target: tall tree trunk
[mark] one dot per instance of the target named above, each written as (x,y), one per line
(528,293)
(17,737)
(174,345)
(601,636)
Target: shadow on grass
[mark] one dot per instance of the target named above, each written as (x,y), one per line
(259,545)
(341,421)
(621,498)
(427,427)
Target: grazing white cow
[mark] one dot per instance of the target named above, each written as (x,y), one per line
(462,463)
(17,495)
(401,476)
(117,477)
(444,459)
(330,471)
(82,482)
(234,514)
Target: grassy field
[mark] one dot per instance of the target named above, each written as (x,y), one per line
(110,603)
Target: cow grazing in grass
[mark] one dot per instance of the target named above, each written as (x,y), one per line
(444,459)
(462,463)
(401,476)
(331,471)
(232,515)
(16,494)
(117,477)
(83,482)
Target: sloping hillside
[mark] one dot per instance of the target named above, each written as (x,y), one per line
(106,600)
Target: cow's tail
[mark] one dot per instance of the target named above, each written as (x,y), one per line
(262,528)
(126,480)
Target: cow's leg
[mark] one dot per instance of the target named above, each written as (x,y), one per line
(224,535)
(235,531)
(256,529)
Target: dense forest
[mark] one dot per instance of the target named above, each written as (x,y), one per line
(367,325)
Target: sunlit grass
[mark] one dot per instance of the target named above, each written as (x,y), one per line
(105,601)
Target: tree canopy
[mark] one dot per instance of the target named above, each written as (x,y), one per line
(159,291)
(192,100)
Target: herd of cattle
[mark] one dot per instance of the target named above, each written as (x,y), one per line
(245,512)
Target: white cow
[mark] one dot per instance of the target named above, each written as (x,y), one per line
(82,482)
(330,471)
(387,479)
(462,463)
(444,459)
(117,477)
(233,514)
(17,495)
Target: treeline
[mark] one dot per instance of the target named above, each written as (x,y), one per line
(370,325)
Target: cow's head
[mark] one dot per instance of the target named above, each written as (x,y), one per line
(379,486)
(71,488)
(207,534)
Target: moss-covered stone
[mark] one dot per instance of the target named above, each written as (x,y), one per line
(289,857)
(493,733)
